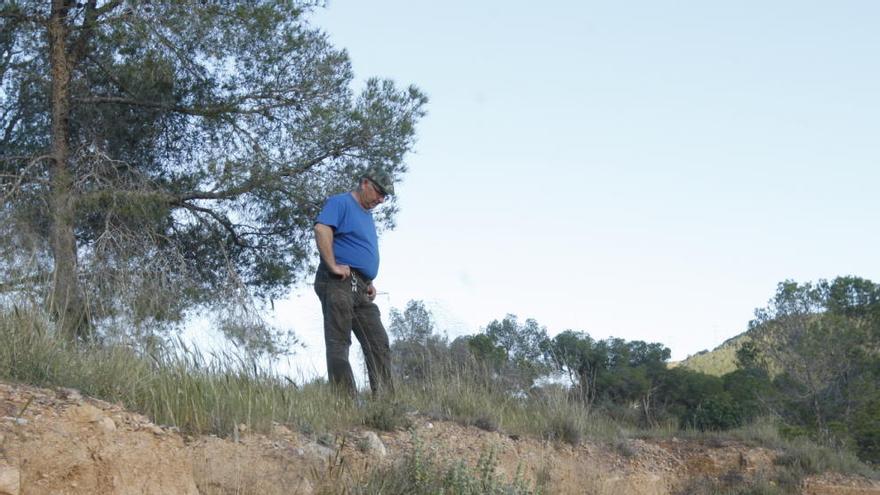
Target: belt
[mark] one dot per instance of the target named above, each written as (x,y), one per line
(357,278)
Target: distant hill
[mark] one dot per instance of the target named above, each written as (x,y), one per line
(720,360)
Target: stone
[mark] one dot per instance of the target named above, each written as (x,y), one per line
(70,394)
(17,421)
(317,451)
(304,486)
(86,413)
(373,445)
(10,480)
(106,424)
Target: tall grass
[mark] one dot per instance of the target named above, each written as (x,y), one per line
(181,387)
(178,387)
(467,395)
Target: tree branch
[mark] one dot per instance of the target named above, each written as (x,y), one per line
(112,77)
(19,179)
(78,46)
(7,133)
(172,200)
(9,286)
(222,220)
(207,111)
(120,100)
(17,15)
(107,7)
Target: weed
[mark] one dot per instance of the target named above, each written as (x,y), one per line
(386,416)
(563,429)
(624,448)
(804,456)
(486,423)
(732,485)
(419,473)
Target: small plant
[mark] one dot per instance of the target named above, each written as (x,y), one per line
(327,440)
(486,423)
(362,444)
(733,485)
(419,473)
(386,416)
(625,448)
(563,429)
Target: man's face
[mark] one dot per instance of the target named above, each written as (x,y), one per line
(373,196)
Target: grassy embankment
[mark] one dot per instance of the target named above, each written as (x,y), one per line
(200,395)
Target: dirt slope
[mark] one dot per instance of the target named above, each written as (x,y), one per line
(58,442)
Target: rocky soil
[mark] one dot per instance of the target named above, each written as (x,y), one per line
(59,442)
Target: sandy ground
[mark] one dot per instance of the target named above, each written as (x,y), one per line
(58,442)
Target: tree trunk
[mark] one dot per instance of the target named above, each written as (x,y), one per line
(66,302)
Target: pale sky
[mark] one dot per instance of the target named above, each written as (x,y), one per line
(644,170)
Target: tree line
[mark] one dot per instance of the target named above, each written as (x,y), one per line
(812,362)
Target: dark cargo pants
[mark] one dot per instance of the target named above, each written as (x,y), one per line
(347,308)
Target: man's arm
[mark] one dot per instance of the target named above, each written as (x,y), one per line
(324,240)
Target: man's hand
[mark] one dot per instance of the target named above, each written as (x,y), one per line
(343,271)
(324,239)
(371,292)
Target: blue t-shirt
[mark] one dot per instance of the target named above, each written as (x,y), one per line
(355,242)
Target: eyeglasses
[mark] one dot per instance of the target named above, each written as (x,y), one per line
(377,188)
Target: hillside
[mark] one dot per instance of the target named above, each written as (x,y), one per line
(718,361)
(57,441)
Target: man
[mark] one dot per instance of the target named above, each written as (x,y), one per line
(348,246)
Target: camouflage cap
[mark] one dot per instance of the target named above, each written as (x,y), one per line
(381,179)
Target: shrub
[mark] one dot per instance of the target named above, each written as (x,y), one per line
(419,473)
(806,457)
(717,413)
(386,416)
(563,429)
(866,431)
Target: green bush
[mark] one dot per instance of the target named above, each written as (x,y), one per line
(866,431)
(386,415)
(804,456)
(717,413)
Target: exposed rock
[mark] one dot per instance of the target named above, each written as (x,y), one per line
(10,480)
(85,413)
(106,424)
(154,429)
(70,394)
(373,445)
(93,447)
(315,450)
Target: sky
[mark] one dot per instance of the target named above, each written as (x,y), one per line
(643,170)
